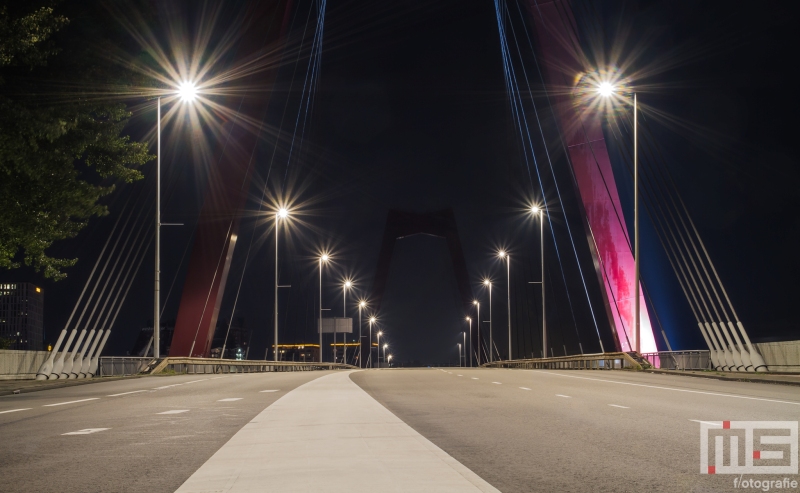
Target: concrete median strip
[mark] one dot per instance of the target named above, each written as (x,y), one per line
(311,438)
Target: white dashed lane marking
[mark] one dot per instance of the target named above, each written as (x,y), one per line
(712,423)
(497,383)
(71,402)
(175,411)
(474,378)
(87,431)
(525,388)
(230,399)
(275,390)
(126,393)
(561,395)
(15,410)
(621,407)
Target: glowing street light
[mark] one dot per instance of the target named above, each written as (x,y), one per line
(282,213)
(505,256)
(477,305)
(389,361)
(488,284)
(459,353)
(469,321)
(606,90)
(372,320)
(378,357)
(345,286)
(361,305)
(322,259)
(384,352)
(538,211)
(187,91)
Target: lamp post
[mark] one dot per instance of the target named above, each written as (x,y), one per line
(464,334)
(361,305)
(187,91)
(384,352)
(469,321)
(378,356)
(537,211)
(459,353)
(606,89)
(503,255)
(371,321)
(322,258)
(488,283)
(347,285)
(389,361)
(282,213)
(478,328)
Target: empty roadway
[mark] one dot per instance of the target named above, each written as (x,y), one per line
(517,430)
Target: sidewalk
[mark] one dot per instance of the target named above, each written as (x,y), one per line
(311,438)
(774,378)
(8,387)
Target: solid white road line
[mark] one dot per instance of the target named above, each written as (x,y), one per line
(712,423)
(621,407)
(71,402)
(562,395)
(525,388)
(230,399)
(175,411)
(276,390)
(15,410)
(87,431)
(315,433)
(126,393)
(672,389)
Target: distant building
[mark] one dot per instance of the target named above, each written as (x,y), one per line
(21,315)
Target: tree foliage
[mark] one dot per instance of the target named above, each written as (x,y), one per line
(61,147)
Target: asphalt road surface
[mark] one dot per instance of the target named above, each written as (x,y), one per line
(517,431)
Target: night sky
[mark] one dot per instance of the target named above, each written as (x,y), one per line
(411,113)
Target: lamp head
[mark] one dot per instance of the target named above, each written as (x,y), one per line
(324,257)
(535,209)
(372,320)
(187,91)
(385,346)
(348,284)
(487,282)
(380,333)
(605,89)
(474,302)
(283,212)
(469,319)
(502,254)
(362,303)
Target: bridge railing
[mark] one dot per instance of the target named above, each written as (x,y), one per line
(117,366)
(213,365)
(679,360)
(125,365)
(597,361)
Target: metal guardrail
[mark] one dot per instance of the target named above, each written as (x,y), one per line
(116,366)
(213,365)
(125,365)
(597,361)
(679,360)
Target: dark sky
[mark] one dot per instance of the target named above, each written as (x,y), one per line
(411,113)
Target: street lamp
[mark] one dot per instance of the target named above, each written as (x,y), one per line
(389,361)
(459,353)
(322,259)
(347,285)
(371,321)
(380,332)
(488,284)
(538,211)
(478,327)
(464,334)
(505,256)
(187,92)
(606,90)
(361,305)
(469,321)
(384,352)
(282,213)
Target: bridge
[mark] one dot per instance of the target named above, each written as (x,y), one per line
(590,342)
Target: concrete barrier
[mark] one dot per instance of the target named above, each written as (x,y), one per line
(20,365)
(781,356)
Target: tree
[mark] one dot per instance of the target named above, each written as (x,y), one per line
(61,148)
